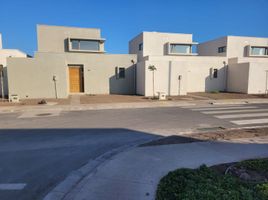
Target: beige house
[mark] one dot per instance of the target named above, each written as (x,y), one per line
(247,62)
(70,61)
(4,54)
(73,61)
(236,64)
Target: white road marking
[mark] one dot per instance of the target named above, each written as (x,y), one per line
(211,106)
(250,121)
(223,108)
(12,186)
(235,111)
(242,115)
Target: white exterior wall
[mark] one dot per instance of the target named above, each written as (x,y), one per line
(236,46)
(210,48)
(195,72)
(140,78)
(99,74)
(238,74)
(4,54)
(155,43)
(133,46)
(258,78)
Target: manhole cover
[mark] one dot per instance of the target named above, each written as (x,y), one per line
(43,114)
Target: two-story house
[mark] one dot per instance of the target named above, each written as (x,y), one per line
(178,68)
(235,64)
(71,61)
(247,62)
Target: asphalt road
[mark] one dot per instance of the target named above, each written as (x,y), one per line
(40,151)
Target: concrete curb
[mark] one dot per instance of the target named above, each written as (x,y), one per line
(74,178)
(134,105)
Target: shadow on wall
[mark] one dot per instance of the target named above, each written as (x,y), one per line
(120,85)
(218,81)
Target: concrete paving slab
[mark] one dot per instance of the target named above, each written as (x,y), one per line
(135,174)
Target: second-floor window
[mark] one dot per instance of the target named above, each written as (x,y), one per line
(180,48)
(140,46)
(85,45)
(259,51)
(222,49)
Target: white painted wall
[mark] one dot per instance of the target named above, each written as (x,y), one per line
(4,54)
(210,48)
(195,72)
(140,78)
(258,78)
(99,74)
(238,74)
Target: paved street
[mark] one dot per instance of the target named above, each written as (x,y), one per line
(38,149)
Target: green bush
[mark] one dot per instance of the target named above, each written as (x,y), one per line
(262,191)
(203,183)
(258,165)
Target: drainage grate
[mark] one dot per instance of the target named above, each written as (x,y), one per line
(211,128)
(43,114)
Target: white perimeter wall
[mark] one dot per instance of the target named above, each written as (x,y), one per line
(238,77)
(258,78)
(195,72)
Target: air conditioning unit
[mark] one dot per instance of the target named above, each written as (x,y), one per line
(14,98)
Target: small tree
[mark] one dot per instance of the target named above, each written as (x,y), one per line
(152,68)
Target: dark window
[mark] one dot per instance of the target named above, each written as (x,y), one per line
(86,45)
(215,73)
(121,73)
(140,46)
(222,49)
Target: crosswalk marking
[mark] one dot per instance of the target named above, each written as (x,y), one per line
(12,186)
(235,111)
(223,108)
(242,115)
(251,121)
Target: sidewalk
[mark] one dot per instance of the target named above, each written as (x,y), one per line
(134,174)
(77,107)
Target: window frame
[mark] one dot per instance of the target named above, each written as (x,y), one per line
(99,41)
(215,73)
(140,47)
(190,53)
(259,47)
(222,49)
(119,71)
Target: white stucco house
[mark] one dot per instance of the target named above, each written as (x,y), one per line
(231,63)
(4,54)
(72,60)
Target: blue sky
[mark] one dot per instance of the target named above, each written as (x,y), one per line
(121,20)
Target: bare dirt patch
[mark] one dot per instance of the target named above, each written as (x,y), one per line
(210,136)
(32,102)
(226,95)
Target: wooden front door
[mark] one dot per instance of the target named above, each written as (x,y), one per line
(75,79)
